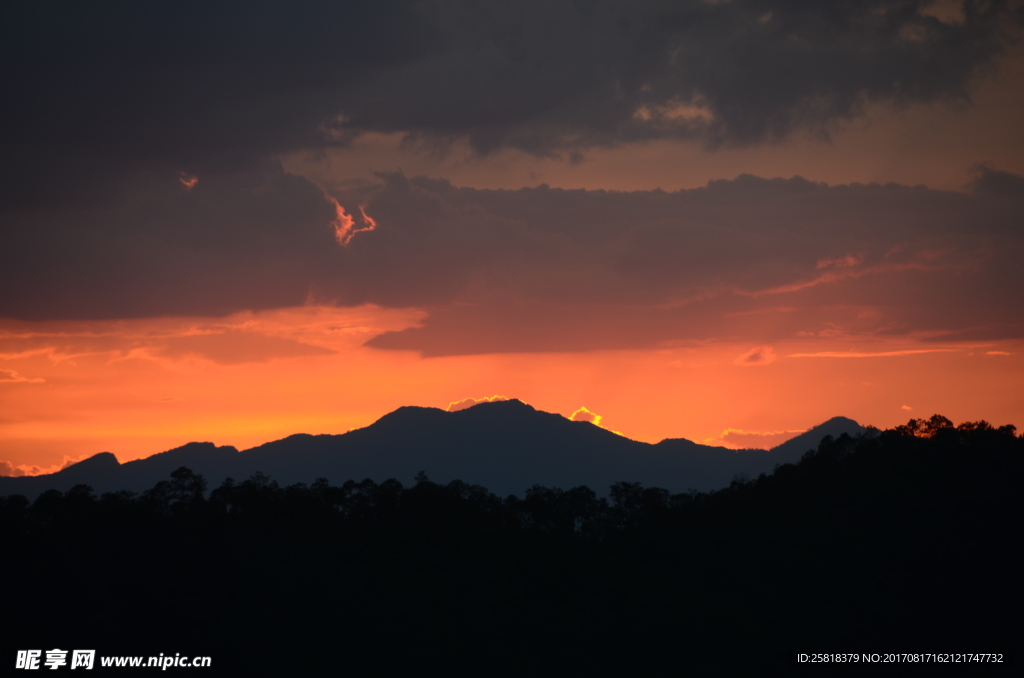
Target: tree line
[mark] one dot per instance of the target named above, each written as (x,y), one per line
(897,540)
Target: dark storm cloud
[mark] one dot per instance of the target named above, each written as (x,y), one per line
(993,182)
(240,240)
(96,92)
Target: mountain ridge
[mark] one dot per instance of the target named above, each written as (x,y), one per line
(506,446)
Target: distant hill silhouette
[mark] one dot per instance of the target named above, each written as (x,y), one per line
(506,446)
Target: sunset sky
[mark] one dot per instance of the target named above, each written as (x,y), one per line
(721,220)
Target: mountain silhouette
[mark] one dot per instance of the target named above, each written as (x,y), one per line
(506,446)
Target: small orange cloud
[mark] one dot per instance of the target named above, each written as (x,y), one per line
(12,377)
(738,439)
(367,219)
(583,414)
(345,225)
(759,355)
(16,470)
(10,470)
(676,111)
(187,180)
(906,407)
(469,402)
(997,353)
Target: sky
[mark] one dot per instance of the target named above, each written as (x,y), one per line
(725,221)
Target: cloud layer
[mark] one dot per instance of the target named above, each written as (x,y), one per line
(140,176)
(97,94)
(542,269)
(257,238)
(749,259)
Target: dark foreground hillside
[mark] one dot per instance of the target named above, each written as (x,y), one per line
(903,542)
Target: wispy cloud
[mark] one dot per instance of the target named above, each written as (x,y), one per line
(849,272)
(12,377)
(237,339)
(737,438)
(867,354)
(759,355)
(345,224)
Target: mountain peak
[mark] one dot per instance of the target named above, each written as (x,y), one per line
(188,454)
(413,415)
(793,449)
(407,415)
(844,421)
(504,406)
(98,462)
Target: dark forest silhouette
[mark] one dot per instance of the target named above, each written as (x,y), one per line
(904,540)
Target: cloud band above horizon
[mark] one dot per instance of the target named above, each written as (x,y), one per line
(543,269)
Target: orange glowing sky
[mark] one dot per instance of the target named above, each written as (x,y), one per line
(140,387)
(287,238)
